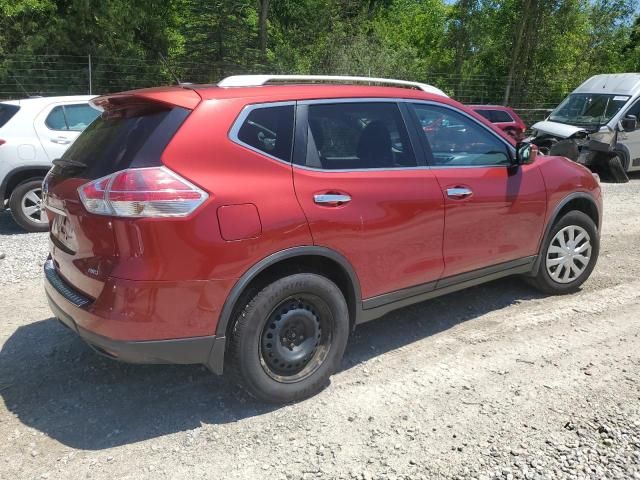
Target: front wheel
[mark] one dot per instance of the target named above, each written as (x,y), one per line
(290,338)
(569,254)
(26,206)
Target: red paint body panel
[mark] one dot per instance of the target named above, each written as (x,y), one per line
(391,230)
(503,220)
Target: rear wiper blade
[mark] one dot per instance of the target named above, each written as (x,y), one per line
(63,162)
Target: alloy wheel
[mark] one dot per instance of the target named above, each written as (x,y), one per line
(32,207)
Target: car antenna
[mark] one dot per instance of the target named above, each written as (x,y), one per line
(21,86)
(166,64)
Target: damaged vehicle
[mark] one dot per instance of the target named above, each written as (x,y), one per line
(597,126)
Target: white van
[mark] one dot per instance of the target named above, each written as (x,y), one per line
(601,117)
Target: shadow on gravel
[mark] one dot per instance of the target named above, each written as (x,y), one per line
(8,226)
(54,383)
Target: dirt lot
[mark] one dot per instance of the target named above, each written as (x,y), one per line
(494,382)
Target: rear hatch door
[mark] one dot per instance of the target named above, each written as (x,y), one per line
(132,132)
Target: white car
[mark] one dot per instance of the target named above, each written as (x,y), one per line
(33,133)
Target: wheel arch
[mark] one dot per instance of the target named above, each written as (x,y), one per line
(18,175)
(306,259)
(579,201)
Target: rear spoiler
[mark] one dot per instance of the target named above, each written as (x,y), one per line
(170,96)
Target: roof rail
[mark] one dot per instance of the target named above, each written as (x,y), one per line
(256,80)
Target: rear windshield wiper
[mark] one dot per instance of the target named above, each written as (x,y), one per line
(65,162)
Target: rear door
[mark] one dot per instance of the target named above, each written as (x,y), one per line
(367,194)
(494,210)
(60,124)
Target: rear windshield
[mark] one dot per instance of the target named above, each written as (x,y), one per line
(495,116)
(6,112)
(125,138)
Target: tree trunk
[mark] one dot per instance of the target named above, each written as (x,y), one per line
(264,15)
(517,46)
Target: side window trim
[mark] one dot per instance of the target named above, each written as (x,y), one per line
(510,148)
(245,112)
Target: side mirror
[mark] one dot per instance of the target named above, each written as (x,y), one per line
(526,153)
(629,123)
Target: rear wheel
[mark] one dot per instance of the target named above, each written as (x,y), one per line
(26,206)
(290,338)
(569,254)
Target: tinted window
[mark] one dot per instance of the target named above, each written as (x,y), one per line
(495,116)
(357,136)
(270,130)
(6,112)
(457,140)
(501,116)
(79,117)
(127,138)
(55,120)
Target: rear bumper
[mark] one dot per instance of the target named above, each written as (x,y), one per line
(73,310)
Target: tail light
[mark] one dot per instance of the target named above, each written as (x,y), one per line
(142,192)
(2,142)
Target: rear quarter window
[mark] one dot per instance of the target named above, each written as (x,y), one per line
(269,130)
(7,111)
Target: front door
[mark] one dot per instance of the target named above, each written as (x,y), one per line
(495,211)
(366,195)
(631,140)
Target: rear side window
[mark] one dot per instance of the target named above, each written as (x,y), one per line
(7,111)
(120,139)
(357,136)
(496,116)
(269,130)
(79,117)
(73,118)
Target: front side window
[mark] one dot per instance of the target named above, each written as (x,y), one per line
(361,135)
(270,130)
(456,140)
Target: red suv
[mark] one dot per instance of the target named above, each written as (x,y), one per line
(255,225)
(505,118)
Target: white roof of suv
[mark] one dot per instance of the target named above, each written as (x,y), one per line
(616,83)
(42,101)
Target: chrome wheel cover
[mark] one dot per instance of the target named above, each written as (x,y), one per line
(569,254)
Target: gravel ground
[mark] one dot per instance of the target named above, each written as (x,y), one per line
(494,382)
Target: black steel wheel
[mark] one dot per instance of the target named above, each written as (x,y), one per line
(296,338)
(290,338)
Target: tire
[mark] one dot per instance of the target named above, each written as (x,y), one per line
(573,224)
(310,314)
(616,170)
(22,199)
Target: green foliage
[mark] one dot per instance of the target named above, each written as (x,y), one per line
(532,51)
